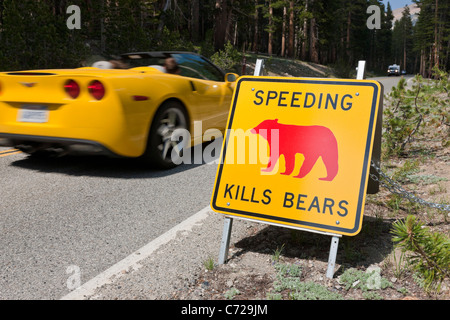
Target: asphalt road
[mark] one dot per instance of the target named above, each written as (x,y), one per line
(389,82)
(80,215)
(62,215)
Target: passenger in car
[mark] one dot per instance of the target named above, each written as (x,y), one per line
(171,66)
(117,64)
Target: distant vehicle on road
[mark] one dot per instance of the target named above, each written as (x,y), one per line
(393,70)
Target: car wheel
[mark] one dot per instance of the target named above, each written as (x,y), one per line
(161,141)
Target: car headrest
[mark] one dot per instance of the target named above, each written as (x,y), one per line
(102,65)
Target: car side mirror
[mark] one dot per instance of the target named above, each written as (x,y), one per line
(231,77)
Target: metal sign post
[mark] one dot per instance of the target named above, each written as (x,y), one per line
(225,243)
(332,256)
(360,70)
(259,67)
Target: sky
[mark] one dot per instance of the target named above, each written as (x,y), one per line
(395,4)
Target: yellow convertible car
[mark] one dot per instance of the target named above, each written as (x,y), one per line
(129,112)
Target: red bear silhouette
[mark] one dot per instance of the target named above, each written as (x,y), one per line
(311,141)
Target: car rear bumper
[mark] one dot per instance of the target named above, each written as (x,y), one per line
(31,144)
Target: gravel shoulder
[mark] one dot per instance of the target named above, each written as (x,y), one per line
(174,268)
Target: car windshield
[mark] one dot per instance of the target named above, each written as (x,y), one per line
(191,65)
(195,66)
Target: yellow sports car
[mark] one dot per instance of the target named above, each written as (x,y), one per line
(130,112)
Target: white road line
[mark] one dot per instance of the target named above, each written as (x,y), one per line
(132,262)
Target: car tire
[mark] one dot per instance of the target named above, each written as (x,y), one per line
(161,141)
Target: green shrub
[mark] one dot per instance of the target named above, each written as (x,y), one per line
(288,281)
(429,253)
(227,59)
(409,111)
(363,280)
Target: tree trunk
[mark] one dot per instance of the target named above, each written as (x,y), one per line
(436,45)
(349,22)
(221,24)
(256,33)
(102,28)
(314,54)
(404,48)
(291,30)
(283,33)
(269,45)
(229,21)
(422,63)
(305,33)
(313,50)
(195,30)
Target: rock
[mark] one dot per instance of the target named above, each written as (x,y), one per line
(354,284)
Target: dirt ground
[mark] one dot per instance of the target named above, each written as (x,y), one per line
(251,272)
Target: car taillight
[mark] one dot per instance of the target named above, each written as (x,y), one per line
(72,89)
(96,89)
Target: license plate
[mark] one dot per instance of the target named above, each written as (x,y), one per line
(33,113)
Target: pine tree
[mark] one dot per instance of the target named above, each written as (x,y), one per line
(432,35)
(403,41)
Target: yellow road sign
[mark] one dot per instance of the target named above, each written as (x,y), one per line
(297,152)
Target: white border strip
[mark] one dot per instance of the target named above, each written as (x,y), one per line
(132,262)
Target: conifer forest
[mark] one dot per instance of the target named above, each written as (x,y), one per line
(34,33)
